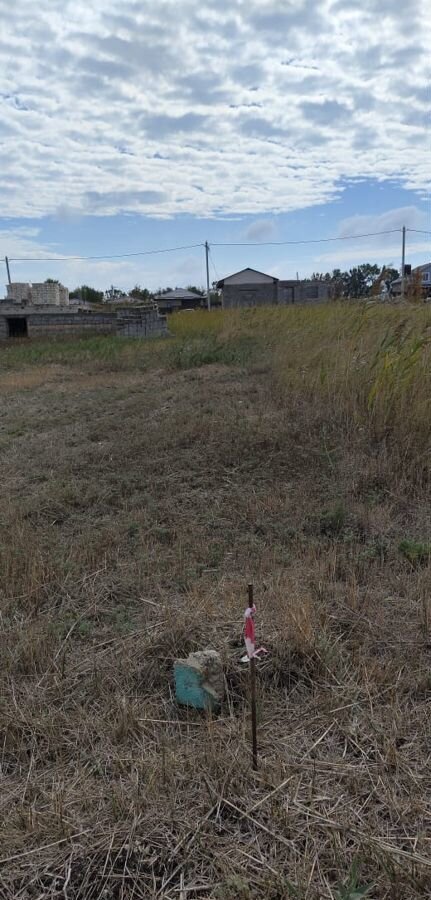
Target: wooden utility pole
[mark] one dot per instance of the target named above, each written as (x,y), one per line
(7,270)
(253,692)
(207,250)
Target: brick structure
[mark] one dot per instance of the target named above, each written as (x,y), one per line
(22,321)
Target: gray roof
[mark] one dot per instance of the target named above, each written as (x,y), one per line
(177,294)
(220,283)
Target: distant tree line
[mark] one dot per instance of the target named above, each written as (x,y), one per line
(88,294)
(360,281)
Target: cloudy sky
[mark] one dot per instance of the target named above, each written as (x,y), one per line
(128,126)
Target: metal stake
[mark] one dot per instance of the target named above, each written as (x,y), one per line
(253,693)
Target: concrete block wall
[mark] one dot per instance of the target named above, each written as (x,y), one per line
(3,328)
(70,323)
(303,292)
(144,322)
(239,295)
(139,323)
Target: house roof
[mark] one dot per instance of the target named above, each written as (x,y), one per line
(177,294)
(247,269)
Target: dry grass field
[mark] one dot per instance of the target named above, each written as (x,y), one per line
(143,486)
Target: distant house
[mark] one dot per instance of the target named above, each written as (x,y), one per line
(252,288)
(410,275)
(176,300)
(248,288)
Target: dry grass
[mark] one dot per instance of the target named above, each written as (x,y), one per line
(142,490)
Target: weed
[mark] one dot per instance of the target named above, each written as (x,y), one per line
(234,888)
(352,889)
(332,521)
(417,552)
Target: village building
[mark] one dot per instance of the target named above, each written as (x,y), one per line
(249,287)
(420,272)
(176,300)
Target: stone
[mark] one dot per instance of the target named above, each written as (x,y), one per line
(199,680)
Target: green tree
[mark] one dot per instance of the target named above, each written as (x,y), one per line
(52,281)
(360,281)
(194,290)
(87,294)
(139,293)
(390,273)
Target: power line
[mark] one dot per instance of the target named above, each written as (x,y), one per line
(107,256)
(214,266)
(349,237)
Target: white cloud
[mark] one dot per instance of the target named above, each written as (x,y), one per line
(410,216)
(269,107)
(417,252)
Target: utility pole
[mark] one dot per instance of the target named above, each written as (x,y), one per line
(7,270)
(207,250)
(403,263)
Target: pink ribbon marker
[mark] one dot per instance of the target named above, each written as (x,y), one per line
(250,635)
(249,631)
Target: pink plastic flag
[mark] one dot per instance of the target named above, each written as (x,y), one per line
(250,635)
(249,631)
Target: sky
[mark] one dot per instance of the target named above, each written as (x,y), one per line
(131,126)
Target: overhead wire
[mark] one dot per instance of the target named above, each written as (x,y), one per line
(214,265)
(350,237)
(104,256)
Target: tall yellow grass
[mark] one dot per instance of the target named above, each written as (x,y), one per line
(370,364)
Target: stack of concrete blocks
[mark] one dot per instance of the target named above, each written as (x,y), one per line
(19,292)
(64,295)
(140,321)
(49,294)
(43,293)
